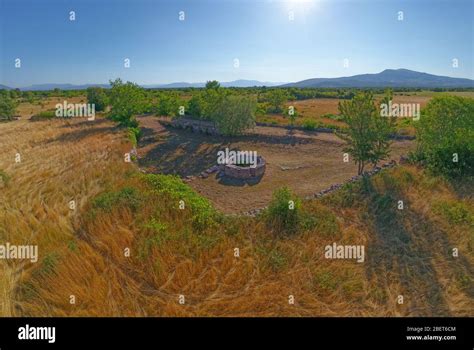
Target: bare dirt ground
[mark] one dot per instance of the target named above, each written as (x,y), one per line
(304,162)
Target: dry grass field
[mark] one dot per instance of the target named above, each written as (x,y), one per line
(127,249)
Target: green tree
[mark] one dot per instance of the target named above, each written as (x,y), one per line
(212,85)
(276,98)
(98,97)
(445,134)
(234,114)
(368,133)
(169,104)
(7,106)
(127,100)
(196,106)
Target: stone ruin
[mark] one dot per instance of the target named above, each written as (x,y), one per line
(236,171)
(201,126)
(245,172)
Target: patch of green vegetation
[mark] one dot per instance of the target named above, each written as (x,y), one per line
(273,258)
(455,212)
(325,280)
(444,133)
(309,124)
(4,177)
(127,197)
(72,245)
(322,219)
(134,135)
(159,236)
(48,264)
(44,115)
(283,214)
(203,213)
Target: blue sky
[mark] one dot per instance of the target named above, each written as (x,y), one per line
(258,33)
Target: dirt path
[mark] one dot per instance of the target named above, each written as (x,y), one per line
(305,162)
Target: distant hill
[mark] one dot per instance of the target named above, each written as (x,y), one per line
(403,78)
(236,83)
(43,87)
(387,78)
(4,87)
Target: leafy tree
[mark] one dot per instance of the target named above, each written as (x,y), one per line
(127,100)
(276,98)
(169,104)
(212,85)
(196,106)
(212,97)
(7,106)
(234,114)
(445,134)
(368,133)
(98,97)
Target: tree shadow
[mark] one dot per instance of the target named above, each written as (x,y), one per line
(399,252)
(184,153)
(83,133)
(228,181)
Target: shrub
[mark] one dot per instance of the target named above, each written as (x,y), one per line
(126,100)
(126,197)
(134,135)
(98,97)
(45,115)
(169,105)
(283,214)
(203,215)
(309,124)
(7,106)
(276,98)
(446,129)
(234,114)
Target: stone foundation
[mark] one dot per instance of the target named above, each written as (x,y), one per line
(241,172)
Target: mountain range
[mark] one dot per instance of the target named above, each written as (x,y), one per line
(401,78)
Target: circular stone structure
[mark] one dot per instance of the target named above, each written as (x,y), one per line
(245,172)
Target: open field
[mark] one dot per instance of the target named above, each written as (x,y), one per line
(81,251)
(304,162)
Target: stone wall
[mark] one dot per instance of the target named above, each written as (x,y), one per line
(332,188)
(239,172)
(193,125)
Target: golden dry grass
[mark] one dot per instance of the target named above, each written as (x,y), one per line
(82,252)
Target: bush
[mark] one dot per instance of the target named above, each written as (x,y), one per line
(126,197)
(446,128)
(98,97)
(45,115)
(234,114)
(283,214)
(7,106)
(203,214)
(126,100)
(309,124)
(169,105)
(134,135)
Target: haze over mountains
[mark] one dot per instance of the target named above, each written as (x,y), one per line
(401,78)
